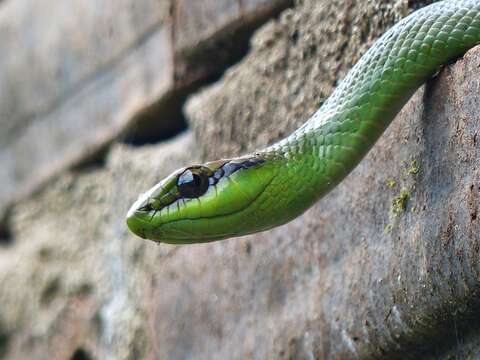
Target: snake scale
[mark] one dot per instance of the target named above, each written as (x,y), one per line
(255,192)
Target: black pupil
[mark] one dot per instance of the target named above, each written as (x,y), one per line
(192,185)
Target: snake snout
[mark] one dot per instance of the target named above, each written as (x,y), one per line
(135,226)
(138,216)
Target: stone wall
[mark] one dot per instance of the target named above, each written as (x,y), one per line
(385,266)
(76,76)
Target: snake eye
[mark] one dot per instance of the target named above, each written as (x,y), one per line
(192,184)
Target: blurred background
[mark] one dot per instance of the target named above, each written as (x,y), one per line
(82,83)
(75,78)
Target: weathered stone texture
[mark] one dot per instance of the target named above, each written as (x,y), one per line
(351,278)
(199,20)
(297,62)
(74,75)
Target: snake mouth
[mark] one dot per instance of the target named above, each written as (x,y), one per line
(136,224)
(173,235)
(156,225)
(174,231)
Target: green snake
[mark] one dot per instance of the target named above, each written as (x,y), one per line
(256,192)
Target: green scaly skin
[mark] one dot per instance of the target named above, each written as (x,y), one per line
(282,181)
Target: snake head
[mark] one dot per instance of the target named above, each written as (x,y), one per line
(201,203)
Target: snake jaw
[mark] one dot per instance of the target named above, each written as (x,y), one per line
(166,213)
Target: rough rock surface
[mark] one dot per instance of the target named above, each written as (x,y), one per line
(296,64)
(78,89)
(75,75)
(386,266)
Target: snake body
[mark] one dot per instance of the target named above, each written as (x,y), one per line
(234,197)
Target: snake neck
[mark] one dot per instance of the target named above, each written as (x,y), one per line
(333,141)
